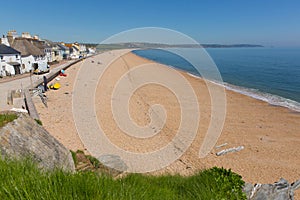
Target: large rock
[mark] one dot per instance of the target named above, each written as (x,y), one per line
(114,163)
(24,137)
(280,190)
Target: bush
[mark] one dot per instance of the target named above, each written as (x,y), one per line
(229,183)
(95,162)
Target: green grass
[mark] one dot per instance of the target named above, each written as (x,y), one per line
(74,157)
(39,122)
(23,180)
(6,118)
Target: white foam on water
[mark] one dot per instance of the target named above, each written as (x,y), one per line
(255,93)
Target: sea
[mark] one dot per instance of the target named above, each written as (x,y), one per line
(268,74)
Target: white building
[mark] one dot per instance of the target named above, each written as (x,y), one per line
(91,51)
(43,46)
(10,61)
(65,51)
(74,52)
(83,50)
(4,40)
(32,57)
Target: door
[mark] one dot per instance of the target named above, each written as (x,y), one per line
(17,69)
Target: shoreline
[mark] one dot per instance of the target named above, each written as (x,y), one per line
(272,99)
(255,127)
(247,92)
(270,134)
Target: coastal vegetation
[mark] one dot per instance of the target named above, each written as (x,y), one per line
(6,118)
(22,179)
(39,122)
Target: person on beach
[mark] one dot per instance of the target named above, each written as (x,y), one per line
(45,83)
(62,73)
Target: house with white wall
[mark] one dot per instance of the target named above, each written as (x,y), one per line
(57,54)
(60,51)
(64,50)
(4,40)
(83,50)
(10,61)
(91,51)
(43,46)
(77,50)
(74,52)
(32,57)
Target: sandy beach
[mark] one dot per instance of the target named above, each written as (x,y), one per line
(270,134)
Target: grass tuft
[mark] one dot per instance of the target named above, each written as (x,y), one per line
(21,179)
(39,122)
(74,157)
(6,118)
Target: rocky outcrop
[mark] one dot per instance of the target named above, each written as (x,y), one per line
(280,190)
(114,164)
(24,137)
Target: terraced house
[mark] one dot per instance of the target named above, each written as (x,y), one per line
(10,61)
(33,58)
(34,54)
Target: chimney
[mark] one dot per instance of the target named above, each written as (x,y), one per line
(26,35)
(12,34)
(4,40)
(36,37)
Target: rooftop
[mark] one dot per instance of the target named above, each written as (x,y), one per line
(6,50)
(26,47)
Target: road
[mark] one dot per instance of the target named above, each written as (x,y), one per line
(6,87)
(16,84)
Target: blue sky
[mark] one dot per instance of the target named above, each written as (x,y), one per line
(267,22)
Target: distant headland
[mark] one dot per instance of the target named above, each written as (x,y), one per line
(143,45)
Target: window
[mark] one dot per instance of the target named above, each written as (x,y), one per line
(16,56)
(1,57)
